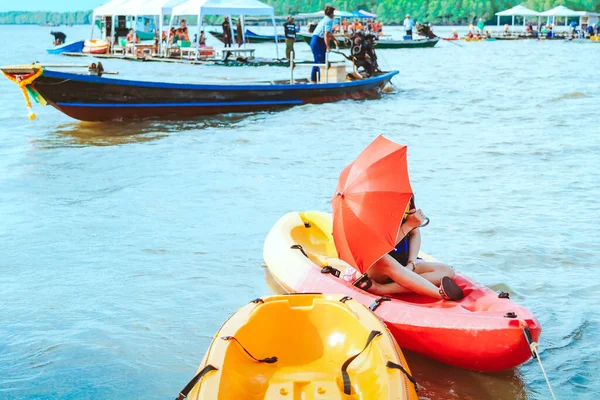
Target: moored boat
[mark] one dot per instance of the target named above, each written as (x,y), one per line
(73,47)
(95,46)
(308,346)
(89,97)
(385,44)
(485,331)
(252,37)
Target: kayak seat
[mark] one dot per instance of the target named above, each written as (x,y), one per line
(287,384)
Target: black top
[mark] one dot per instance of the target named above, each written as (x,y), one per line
(59,36)
(290,30)
(226,28)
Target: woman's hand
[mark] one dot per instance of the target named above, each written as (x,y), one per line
(415,218)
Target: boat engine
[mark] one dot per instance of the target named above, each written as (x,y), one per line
(362,52)
(425,30)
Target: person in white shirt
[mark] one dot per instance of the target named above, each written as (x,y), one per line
(408,25)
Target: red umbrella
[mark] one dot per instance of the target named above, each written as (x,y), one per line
(369,203)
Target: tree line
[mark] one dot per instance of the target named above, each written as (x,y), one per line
(434,11)
(46,17)
(388,11)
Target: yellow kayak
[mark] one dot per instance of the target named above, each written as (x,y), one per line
(303,346)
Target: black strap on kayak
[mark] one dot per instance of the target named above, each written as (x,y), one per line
(503,295)
(328,269)
(186,390)
(378,302)
(268,360)
(345,299)
(529,340)
(391,364)
(258,300)
(297,246)
(307,225)
(345,376)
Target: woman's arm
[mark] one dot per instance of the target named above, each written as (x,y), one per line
(414,245)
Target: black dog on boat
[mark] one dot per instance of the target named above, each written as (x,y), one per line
(362,53)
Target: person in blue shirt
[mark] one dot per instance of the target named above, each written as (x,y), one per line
(319,44)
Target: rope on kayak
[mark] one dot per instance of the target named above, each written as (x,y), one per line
(345,299)
(391,364)
(186,390)
(267,360)
(345,376)
(533,346)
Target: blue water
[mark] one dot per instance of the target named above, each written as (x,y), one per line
(124,246)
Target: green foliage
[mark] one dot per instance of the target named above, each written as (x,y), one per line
(45,17)
(388,11)
(435,11)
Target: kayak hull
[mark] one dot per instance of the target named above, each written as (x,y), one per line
(73,47)
(476,333)
(309,351)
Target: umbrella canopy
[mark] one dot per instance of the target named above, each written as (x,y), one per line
(364,14)
(369,203)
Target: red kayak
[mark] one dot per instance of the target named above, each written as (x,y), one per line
(485,331)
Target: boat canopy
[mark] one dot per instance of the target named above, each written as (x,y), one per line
(225,8)
(518,11)
(561,11)
(363,14)
(321,14)
(108,8)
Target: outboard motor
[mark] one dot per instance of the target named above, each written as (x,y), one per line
(362,52)
(425,30)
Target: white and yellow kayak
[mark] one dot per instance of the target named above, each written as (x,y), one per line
(303,346)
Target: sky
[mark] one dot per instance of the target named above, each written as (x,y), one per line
(45,5)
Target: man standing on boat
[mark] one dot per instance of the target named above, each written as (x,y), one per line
(59,37)
(408,25)
(290,36)
(227,39)
(319,44)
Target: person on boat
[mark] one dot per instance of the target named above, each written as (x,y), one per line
(470,35)
(239,39)
(380,28)
(289,29)
(202,39)
(130,37)
(590,30)
(506,30)
(183,24)
(345,25)
(454,34)
(227,32)
(59,37)
(402,271)
(319,44)
(408,25)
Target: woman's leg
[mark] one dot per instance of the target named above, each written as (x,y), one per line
(403,277)
(434,271)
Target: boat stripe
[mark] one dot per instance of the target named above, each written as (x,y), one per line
(264,87)
(205,104)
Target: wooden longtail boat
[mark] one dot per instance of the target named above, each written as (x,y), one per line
(95,98)
(385,44)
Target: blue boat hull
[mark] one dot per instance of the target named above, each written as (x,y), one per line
(74,47)
(93,98)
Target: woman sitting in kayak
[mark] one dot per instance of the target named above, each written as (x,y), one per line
(401,271)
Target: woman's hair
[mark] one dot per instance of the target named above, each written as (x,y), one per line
(329,11)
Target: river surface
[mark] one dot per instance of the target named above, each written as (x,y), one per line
(125,246)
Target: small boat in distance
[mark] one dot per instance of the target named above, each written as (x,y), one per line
(91,97)
(385,43)
(73,47)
